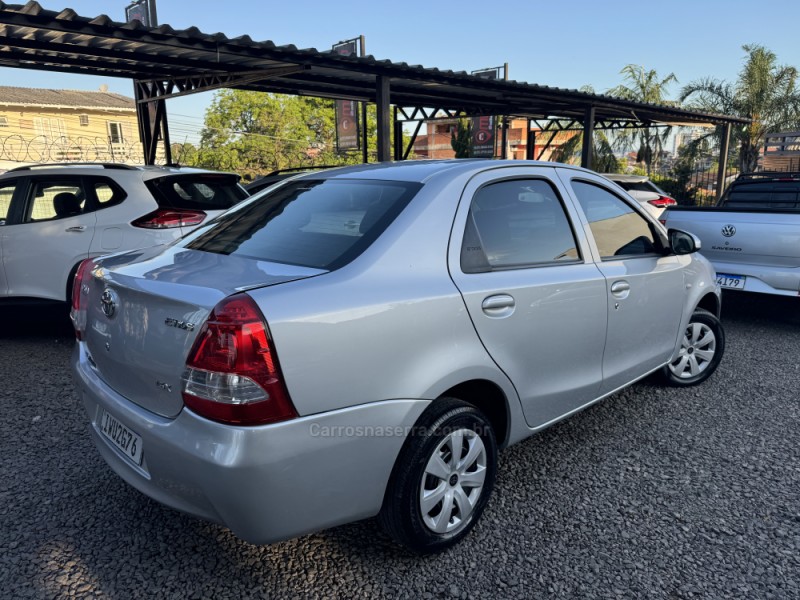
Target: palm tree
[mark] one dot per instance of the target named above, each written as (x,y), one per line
(765,92)
(603,159)
(644,86)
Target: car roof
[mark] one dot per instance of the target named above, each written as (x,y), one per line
(422,170)
(625,177)
(147,171)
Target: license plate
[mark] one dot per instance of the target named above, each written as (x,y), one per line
(735,282)
(123,438)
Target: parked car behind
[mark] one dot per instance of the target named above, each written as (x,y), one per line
(361,341)
(752,235)
(54,216)
(274,177)
(652,197)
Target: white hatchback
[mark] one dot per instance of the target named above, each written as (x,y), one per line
(54,216)
(647,193)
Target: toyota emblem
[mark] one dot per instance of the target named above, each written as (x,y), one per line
(108,302)
(729,231)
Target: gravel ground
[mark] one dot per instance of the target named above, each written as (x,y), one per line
(654,493)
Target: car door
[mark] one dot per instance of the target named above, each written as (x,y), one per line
(645,286)
(536,299)
(7,192)
(53,234)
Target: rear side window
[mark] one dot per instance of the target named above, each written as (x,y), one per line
(320,224)
(516,223)
(618,230)
(197,191)
(107,193)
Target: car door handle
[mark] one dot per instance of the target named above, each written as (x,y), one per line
(76,229)
(620,289)
(501,305)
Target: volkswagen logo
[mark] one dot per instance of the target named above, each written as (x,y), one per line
(108,302)
(729,231)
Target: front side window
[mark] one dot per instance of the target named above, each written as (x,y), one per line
(322,224)
(516,223)
(618,230)
(56,199)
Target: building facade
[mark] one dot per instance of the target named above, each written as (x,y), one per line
(53,126)
(436,142)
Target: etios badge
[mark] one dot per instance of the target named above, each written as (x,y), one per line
(108,302)
(729,231)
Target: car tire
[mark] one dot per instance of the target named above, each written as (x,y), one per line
(702,347)
(434,497)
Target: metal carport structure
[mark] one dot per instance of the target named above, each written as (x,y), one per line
(166,63)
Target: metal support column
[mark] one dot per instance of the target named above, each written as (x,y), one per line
(384,119)
(151,113)
(504,151)
(530,147)
(364,130)
(398,137)
(723,159)
(588,131)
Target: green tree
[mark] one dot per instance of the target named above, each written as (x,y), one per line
(765,92)
(461,139)
(644,86)
(255,133)
(603,158)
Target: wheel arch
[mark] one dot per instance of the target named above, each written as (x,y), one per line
(490,399)
(711,303)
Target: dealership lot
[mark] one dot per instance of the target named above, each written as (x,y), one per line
(656,493)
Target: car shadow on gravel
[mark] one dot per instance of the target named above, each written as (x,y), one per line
(762,309)
(35,321)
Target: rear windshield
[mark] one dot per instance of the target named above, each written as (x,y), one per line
(640,186)
(197,191)
(322,224)
(766,194)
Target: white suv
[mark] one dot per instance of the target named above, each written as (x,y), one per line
(54,216)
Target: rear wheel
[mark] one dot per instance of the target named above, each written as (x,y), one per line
(442,478)
(702,346)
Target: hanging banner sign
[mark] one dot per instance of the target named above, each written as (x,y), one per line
(139,11)
(347,122)
(483,128)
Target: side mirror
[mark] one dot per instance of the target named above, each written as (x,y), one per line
(683,242)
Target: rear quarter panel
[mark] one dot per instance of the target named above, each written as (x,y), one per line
(390,325)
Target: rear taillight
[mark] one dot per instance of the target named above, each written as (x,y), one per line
(80,290)
(232,374)
(167,218)
(663,202)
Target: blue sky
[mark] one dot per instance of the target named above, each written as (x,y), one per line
(561,44)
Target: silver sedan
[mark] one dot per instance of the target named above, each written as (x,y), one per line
(362,341)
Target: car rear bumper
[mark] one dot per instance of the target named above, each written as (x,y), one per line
(265,483)
(781,281)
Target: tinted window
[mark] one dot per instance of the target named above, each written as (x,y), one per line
(321,224)
(6,193)
(56,199)
(639,186)
(764,195)
(618,230)
(516,223)
(107,193)
(197,191)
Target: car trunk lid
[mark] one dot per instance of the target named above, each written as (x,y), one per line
(145,309)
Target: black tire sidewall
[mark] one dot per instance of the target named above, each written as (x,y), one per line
(402,502)
(708,319)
